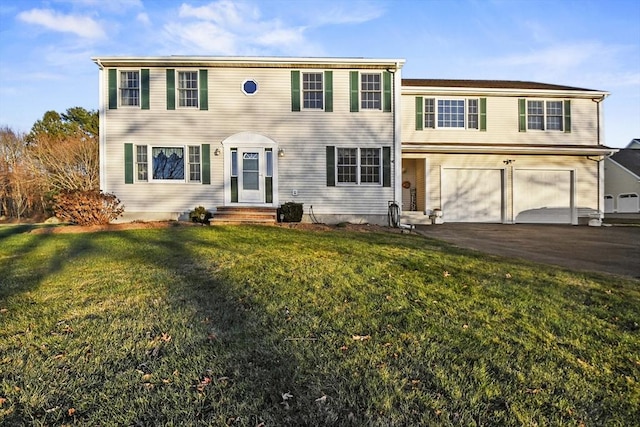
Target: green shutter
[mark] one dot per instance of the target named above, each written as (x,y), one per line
(206,163)
(483,114)
(386,95)
(204,90)
(522,114)
(419,113)
(144,89)
(386,166)
(171,89)
(113,88)
(328,91)
(331,166)
(234,189)
(295,90)
(128,163)
(567,116)
(354,91)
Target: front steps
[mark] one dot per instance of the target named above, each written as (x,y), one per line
(230,215)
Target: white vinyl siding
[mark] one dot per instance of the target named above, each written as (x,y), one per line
(303,137)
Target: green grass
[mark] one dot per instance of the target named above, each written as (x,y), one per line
(215,325)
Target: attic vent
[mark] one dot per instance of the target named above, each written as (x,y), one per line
(249,87)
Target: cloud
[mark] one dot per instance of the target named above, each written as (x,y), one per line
(143,18)
(82,26)
(234,28)
(356,12)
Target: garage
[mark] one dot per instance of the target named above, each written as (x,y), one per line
(542,196)
(472,195)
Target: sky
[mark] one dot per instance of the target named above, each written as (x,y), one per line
(46,45)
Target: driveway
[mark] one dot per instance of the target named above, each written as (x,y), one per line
(614,249)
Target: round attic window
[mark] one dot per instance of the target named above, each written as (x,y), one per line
(250,87)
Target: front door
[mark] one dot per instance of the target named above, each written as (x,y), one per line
(251,175)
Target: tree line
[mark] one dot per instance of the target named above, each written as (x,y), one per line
(58,155)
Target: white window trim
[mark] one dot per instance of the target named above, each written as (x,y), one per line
(185,159)
(435,112)
(119,75)
(359,169)
(544,115)
(197,89)
(302,73)
(381,91)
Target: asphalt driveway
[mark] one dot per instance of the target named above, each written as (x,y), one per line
(614,249)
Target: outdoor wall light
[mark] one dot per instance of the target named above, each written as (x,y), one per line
(281,152)
(216,152)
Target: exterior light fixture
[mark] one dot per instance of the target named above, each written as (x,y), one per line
(216,152)
(281,152)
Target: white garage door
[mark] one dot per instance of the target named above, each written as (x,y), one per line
(542,196)
(472,195)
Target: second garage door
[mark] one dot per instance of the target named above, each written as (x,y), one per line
(542,196)
(472,195)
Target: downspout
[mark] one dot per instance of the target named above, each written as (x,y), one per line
(599,159)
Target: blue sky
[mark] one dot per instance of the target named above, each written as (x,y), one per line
(46,45)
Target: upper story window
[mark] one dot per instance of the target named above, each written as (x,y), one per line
(312,91)
(130,88)
(188,89)
(452,113)
(370,91)
(545,115)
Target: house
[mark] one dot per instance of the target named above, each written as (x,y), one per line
(347,137)
(622,183)
(501,151)
(180,132)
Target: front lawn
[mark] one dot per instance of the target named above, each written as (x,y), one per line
(269,326)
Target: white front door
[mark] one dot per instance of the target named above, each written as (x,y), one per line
(251,175)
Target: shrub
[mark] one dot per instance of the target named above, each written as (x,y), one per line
(90,207)
(200,214)
(291,212)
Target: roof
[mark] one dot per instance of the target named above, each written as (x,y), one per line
(490,84)
(635,143)
(628,158)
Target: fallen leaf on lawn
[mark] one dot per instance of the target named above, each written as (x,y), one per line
(361,337)
(322,399)
(287,396)
(203,384)
(447,274)
(71,411)
(146,377)
(465,326)
(344,348)
(533,390)
(148,386)
(3,310)
(2,401)
(508,276)
(165,337)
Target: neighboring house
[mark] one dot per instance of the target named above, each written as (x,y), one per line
(346,137)
(622,183)
(501,151)
(180,132)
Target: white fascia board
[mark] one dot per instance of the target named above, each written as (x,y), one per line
(469,91)
(239,61)
(493,149)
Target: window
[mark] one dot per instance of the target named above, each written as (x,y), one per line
(312,90)
(194,164)
(142,165)
(545,115)
(358,165)
(451,113)
(188,89)
(168,163)
(370,92)
(130,88)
